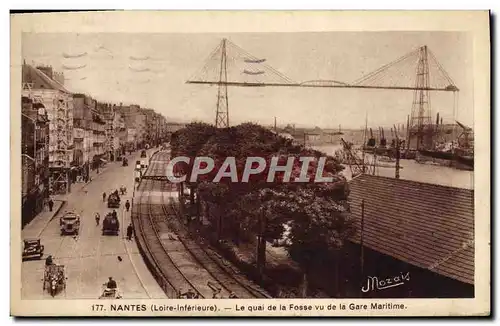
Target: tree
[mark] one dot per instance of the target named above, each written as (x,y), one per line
(318,226)
(316,212)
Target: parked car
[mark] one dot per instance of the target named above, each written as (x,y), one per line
(32,249)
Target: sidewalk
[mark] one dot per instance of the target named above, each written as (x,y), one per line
(34,229)
(78,186)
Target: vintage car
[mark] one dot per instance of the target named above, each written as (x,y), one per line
(70,223)
(144,154)
(110,225)
(32,249)
(113,201)
(125,162)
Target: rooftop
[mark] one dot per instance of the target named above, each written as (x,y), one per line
(51,83)
(422,224)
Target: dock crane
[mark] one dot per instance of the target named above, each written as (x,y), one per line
(356,164)
(383,141)
(371,140)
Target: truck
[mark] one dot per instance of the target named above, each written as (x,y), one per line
(110,225)
(113,201)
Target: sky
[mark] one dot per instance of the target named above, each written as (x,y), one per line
(152,69)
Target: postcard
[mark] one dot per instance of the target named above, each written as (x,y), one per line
(205,163)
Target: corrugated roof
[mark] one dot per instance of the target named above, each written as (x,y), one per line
(426,225)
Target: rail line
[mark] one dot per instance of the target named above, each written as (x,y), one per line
(148,227)
(150,220)
(225,276)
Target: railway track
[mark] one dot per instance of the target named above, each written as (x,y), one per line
(230,278)
(155,221)
(149,215)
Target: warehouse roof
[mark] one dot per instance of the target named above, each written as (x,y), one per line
(425,225)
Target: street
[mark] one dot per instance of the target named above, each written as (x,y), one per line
(90,258)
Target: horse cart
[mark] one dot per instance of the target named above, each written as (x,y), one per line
(54,279)
(32,249)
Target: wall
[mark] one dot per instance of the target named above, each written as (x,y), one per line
(59,154)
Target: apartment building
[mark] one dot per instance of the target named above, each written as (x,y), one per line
(99,139)
(134,118)
(38,84)
(83,136)
(34,158)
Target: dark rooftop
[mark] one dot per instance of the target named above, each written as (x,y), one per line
(422,224)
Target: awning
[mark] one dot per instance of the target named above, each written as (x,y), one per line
(103,160)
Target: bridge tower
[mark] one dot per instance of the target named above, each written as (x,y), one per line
(222,112)
(420,121)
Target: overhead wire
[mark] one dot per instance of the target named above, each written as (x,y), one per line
(371,74)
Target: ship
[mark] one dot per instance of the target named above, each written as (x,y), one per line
(460,156)
(336,133)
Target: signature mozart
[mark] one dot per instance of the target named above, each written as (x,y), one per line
(283,165)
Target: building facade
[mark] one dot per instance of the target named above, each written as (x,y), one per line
(34,158)
(134,118)
(99,139)
(39,85)
(83,136)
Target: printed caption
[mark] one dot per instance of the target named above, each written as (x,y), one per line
(244,308)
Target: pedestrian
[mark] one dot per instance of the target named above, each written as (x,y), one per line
(51,204)
(127,205)
(114,214)
(130,231)
(103,196)
(97,218)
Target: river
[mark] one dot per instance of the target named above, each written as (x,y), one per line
(411,170)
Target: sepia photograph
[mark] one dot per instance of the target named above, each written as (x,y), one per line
(154,167)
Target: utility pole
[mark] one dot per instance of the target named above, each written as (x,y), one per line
(275,129)
(362,256)
(364,143)
(398,155)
